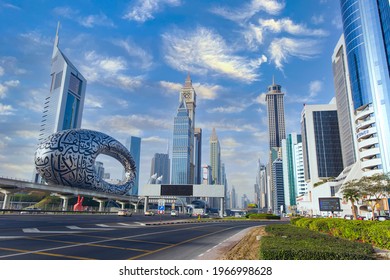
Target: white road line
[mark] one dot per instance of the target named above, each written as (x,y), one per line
(11,237)
(79,228)
(35,230)
(142,224)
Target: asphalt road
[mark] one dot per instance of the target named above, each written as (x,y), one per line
(109,237)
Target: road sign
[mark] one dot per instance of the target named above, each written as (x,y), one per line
(161,206)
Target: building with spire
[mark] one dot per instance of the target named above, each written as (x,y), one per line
(215,158)
(275,109)
(63,106)
(181,148)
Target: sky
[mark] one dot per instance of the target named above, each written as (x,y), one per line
(136,55)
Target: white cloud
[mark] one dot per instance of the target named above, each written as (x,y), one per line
(28,134)
(337,22)
(142,58)
(36,38)
(6,110)
(9,65)
(34,100)
(1,71)
(247,11)
(93,102)
(109,71)
(227,110)
(261,99)
(317,19)
(4,87)
(203,91)
(281,49)
(315,87)
(143,10)
(287,25)
(203,51)
(96,20)
(230,143)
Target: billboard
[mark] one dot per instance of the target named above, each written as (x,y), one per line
(329,204)
(177,190)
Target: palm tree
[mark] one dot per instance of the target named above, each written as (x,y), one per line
(352,193)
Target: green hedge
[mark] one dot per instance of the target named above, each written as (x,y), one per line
(287,242)
(263,216)
(374,232)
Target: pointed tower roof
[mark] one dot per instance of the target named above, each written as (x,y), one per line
(56,41)
(213,136)
(188,82)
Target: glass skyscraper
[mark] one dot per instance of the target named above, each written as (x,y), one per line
(161,167)
(215,158)
(63,106)
(134,145)
(321,142)
(367,38)
(181,148)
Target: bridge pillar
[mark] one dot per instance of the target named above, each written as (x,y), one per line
(65,200)
(222,207)
(122,204)
(101,203)
(7,197)
(146,203)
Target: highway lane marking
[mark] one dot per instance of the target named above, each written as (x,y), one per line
(25,252)
(11,237)
(92,245)
(80,228)
(114,227)
(35,230)
(180,243)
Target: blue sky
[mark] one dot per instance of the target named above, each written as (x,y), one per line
(136,55)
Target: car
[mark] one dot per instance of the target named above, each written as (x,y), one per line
(382,218)
(174,213)
(348,217)
(361,218)
(125,213)
(31,210)
(149,213)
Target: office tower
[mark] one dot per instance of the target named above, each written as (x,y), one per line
(233,198)
(344,103)
(244,201)
(181,148)
(99,169)
(288,167)
(188,95)
(134,145)
(367,38)
(277,182)
(321,142)
(275,109)
(63,106)
(215,157)
(198,155)
(263,185)
(207,175)
(161,166)
(299,170)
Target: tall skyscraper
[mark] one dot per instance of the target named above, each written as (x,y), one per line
(344,103)
(277,182)
(134,145)
(299,170)
(289,179)
(63,106)
(181,148)
(198,155)
(99,169)
(233,198)
(275,108)
(321,142)
(188,95)
(215,157)
(367,38)
(263,185)
(161,167)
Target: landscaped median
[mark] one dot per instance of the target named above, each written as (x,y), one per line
(289,242)
(372,232)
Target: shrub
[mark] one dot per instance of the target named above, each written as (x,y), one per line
(287,242)
(264,216)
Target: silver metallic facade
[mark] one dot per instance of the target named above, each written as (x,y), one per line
(68,158)
(367,39)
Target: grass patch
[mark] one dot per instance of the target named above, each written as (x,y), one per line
(288,242)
